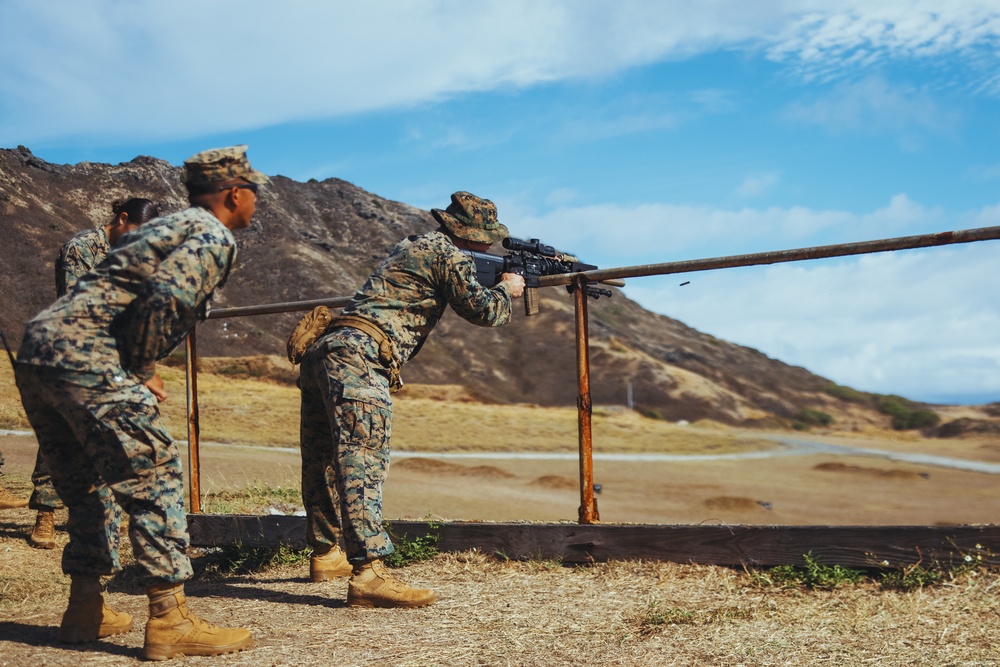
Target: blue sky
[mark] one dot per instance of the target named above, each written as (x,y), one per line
(627,132)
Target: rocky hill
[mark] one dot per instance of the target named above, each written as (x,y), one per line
(318,239)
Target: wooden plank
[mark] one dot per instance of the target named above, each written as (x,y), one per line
(754,546)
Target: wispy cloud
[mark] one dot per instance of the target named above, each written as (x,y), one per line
(827,38)
(756,185)
(874,106)
(112,70)
(904,322)
(623,235)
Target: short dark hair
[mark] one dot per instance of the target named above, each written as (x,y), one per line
(139,210)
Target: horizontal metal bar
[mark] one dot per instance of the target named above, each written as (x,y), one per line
(686,266)
(271,308)
(778,256)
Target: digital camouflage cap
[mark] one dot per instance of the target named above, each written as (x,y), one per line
(220,164)
(471,218)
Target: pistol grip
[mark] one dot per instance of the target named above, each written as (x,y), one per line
(530,301)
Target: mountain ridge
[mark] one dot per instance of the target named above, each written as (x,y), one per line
(321,239)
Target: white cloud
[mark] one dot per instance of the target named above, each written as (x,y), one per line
(827,37)
(873,106)
(624,235)
(756,185)
(921,323)
(561,197)
(114,70)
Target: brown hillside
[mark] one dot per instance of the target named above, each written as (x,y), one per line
(317,239)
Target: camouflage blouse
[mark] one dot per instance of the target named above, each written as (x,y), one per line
(139,304)
(80,254)
(408,293)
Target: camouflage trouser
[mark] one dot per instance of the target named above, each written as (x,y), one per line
(345,451)
(101,445)
(44,498)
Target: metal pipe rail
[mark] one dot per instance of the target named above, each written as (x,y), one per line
(588,512)
(779,256)
(273,308)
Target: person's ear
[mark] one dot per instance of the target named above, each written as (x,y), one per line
(233,195)
(122,219)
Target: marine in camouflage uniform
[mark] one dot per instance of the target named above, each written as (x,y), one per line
(346,417)
(79,255)
(82,369)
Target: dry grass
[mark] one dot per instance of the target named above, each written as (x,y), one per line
(539,613)
(11,413)
(236,406)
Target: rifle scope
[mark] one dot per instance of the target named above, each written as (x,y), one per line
(533,246)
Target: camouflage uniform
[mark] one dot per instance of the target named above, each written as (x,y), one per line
(79,255)
(346,418)
(82,365)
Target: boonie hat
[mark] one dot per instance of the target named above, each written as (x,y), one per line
(471,218)
(220,164)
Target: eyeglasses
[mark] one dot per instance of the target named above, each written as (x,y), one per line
(252,187)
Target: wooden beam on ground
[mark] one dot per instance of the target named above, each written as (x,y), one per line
(753,546)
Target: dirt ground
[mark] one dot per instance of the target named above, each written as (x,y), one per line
(534,613)
(540,613)
(818,489)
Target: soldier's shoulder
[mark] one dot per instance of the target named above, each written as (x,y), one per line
(432,242)
(86,237)
(187,222)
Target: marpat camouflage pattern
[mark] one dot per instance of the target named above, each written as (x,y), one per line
(80,254)
(163,276)
(81,369)
(346,418)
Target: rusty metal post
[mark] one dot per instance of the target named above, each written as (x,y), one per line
(193,428)
(588,503)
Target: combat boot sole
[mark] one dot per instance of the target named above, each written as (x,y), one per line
(75,634)
(360,601)
(168,651)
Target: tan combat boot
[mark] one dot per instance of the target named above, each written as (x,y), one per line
(173,630)
(329,565)
(87,617)
(9,501)
(44,534)
(371,585)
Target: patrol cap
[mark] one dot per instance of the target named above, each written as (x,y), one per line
(471,218)
(220,164)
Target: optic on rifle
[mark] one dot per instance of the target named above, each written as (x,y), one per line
(531,259)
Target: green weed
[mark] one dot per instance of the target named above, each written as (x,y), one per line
(811,574)
(413,550)
(234,559)
(918,575)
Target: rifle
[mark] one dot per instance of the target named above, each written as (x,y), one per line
(531,259)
